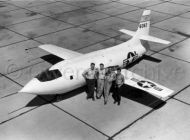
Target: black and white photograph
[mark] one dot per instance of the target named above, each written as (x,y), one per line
(94,70)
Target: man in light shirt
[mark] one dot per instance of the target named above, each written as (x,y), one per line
(100,81)
(90,76)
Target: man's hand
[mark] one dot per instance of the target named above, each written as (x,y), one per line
(84,76)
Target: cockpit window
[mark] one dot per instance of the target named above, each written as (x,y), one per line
(49,75)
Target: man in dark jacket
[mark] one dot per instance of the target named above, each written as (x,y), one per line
(118,86)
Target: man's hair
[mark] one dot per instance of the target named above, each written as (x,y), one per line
(102,64)
(92,64)
(119,69)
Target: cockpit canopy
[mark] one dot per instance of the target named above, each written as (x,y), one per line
(48,75)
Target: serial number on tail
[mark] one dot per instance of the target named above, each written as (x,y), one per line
(143,25)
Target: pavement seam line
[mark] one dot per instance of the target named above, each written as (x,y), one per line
(12,80)
(146,114)
(82,24)
(179,3)
(173,57)
(155,52)
(152,5)
(25,67)
(79,26)
(74,26)
(5,121)
(8,95)
(74,117)
(181,101)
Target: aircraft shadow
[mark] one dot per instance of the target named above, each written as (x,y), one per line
(128,92)
(141,97)
(52,59)
(47,99)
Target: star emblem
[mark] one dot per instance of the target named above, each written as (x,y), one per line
(130,59)
(146,84)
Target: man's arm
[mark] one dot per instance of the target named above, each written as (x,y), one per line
(114,76)
(84,74)
(123,79)
(96,74)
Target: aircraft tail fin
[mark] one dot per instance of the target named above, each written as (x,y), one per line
(144,25)
(143,30)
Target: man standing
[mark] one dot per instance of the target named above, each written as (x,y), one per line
(90,77)
(109,78)
(100,81)
(119,83)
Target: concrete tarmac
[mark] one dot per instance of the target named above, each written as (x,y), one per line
(85,26)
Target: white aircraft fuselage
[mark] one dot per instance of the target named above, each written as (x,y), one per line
(66,75)
(72,69)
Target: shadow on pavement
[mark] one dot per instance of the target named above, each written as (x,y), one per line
(52,59)
(142,97)
(128,92)
(47,99)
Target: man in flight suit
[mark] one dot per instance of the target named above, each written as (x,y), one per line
(110,77)
(100,81)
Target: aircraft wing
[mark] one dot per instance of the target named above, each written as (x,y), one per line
(144,84)
(59,51)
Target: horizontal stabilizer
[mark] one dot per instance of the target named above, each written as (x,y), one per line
(144,84)
(128,32)
(154,39)
(145,37)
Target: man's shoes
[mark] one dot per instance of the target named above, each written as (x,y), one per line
(114,102)
(87,97)
(118,103)
(105,102)
(98,97)
(93,99)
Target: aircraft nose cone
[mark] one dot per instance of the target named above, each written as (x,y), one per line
(30,86)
